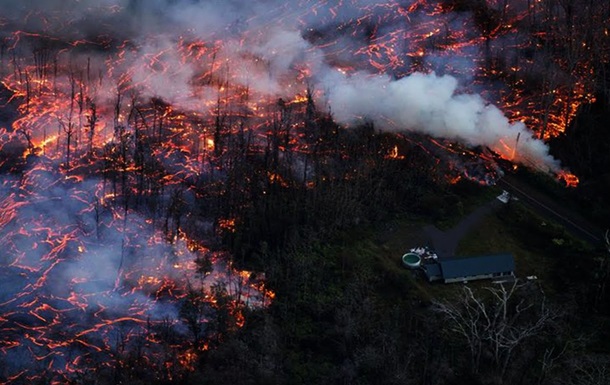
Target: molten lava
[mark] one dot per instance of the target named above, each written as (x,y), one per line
(114,115)
(569,179)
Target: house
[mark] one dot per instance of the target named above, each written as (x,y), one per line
(471,268)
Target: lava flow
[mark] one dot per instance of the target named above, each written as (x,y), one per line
(117,115)
(83,284)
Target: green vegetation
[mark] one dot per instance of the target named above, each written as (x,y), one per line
(323,211)
(346,311)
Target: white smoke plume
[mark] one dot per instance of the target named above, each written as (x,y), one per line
(264,45)
(430,104)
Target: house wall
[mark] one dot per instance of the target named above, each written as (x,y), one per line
(469,278)
(475,277)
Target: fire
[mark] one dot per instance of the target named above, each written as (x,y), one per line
(394,153)
(128,288)
(227,224)
(568,178)
(117,134)
(188,359)
(209,144)
(299,99)
(454,179)
(275,178)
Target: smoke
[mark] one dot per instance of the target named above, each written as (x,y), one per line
(278,49)
(58,252)
(82,277)
(430,104)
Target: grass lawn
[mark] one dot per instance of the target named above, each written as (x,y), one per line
(539,246)
(493,236)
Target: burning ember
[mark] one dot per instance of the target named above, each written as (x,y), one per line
(569,179)
(114,114)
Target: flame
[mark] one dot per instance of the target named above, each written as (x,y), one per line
(395,154)
(192,105)
(568,178)
(85,313)
(299,99)
(454,179)
(227,224)
(209,144)
(275,178)
(188,359)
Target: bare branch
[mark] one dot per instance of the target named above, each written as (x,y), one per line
(498,323)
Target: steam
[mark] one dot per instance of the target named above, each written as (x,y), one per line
(55,246)
(261,45)
(430,104)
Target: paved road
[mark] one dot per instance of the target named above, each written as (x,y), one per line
(549,208)
(445,243)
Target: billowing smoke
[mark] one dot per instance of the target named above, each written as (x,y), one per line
(275,48)
(430,104)
(71,259)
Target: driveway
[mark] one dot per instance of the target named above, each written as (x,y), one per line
(445,243)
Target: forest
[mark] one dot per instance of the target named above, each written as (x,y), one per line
(166,219)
